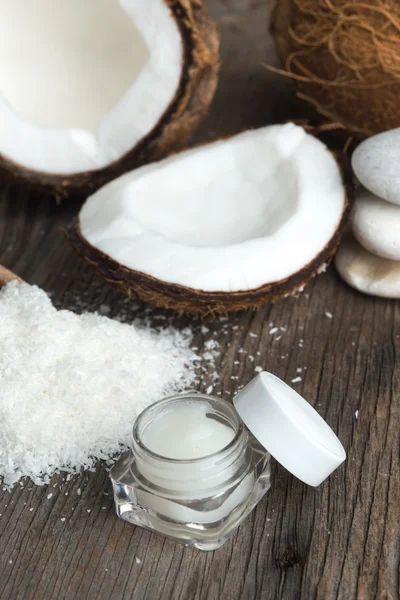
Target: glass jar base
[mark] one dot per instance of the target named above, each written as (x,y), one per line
(208,547)
(133,506)
(206,539)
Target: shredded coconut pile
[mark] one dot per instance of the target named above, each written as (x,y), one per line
(72,385)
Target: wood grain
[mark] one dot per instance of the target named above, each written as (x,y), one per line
(338,541)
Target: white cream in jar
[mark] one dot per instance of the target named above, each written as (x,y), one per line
(195,472)
(187,432)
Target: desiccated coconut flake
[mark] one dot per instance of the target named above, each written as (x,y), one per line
(210,344)
(296,380)
(329,315)
(72,385)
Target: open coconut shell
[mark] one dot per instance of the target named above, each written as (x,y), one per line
(188,105)
(208,302)
(343,58)
(197,302)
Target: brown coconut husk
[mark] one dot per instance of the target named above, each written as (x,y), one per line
(189,106)
(344,59)
(183,299)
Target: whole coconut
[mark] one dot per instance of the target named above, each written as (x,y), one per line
(344,58)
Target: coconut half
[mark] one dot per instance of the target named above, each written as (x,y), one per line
(89,90)
(220,227)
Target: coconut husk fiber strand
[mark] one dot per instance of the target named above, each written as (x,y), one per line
(344,58)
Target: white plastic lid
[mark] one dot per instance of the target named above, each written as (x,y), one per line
(289,428)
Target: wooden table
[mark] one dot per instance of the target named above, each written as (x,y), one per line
(336,541)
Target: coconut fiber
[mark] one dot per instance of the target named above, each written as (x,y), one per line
(344,57)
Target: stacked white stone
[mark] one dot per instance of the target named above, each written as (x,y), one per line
(371,262)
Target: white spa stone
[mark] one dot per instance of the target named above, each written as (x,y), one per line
(376,225)
(376,163)
(366,272)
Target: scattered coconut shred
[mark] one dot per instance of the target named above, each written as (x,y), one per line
(72,385)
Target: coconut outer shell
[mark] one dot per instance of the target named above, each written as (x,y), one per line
(344,59)
(183,299)
(189,106)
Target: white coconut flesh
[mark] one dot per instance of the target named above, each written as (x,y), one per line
(83,81)
(229,216)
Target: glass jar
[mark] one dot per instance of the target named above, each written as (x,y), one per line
(199,501)
(195,472)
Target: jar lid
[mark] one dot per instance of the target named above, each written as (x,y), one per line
(289,428)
